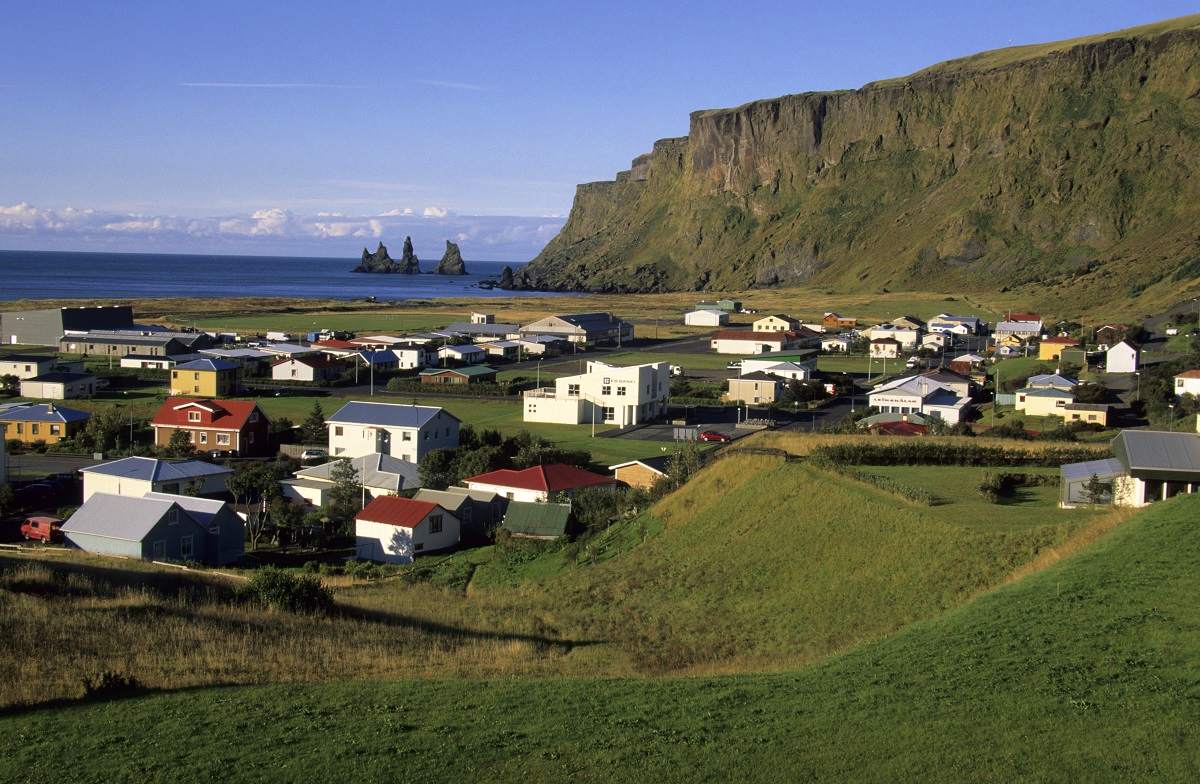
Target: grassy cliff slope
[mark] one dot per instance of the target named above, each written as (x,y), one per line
(1068,168)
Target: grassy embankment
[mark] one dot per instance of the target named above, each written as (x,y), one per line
(1083,672)
(760,565)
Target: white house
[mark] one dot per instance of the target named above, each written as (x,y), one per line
(744,341)
(957,325)
(1023,330)
(838,343)
(706,318)
(885,348)
(394,530)
(136,476)
(800,365)
(468,354)
(408,432)
(934,340)
(907,338)
(380,475)
(605,394)
(59,386)
(1187,383)
(307,369)
(583,328)
(921,395)
(1122,358)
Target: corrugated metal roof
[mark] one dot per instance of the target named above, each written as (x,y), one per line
(208,365)
(1109,467)
(1150,453)
(533,519)
(120,516)
(548,478)
(403,512)
(359,412)
(374,470)
(150,469)
(43,413)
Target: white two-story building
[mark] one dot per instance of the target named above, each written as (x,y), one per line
(407,432)
(605,394)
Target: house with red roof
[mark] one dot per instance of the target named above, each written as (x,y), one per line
(539,482)
(394,530)
(238,426)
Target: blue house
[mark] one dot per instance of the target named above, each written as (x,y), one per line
(157,526)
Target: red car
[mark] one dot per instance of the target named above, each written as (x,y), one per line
(712,435)
(44,528)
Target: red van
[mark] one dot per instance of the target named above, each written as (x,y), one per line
(44,528)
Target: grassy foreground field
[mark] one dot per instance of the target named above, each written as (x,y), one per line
(1085,672)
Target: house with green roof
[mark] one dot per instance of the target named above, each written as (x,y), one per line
(536,520)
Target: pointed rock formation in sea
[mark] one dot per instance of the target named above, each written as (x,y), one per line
(452,262)
(506,278)
(380,261)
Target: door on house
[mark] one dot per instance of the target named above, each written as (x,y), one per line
(383,442)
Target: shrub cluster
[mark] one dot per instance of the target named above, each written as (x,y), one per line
(995,486)
(929,453)
(480,389)
(288,592)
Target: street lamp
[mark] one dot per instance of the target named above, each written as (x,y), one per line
(1139,385)
(539,374)
(1172,407)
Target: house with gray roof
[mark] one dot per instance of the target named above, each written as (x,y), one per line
(157,526)
(380,475)
(583,328)
(59,386)
(32,365)
(137,476)
(408,432)
(477,510)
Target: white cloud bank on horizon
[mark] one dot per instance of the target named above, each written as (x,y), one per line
(276,232)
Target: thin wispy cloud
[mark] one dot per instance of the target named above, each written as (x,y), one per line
(451,85)
(273,85)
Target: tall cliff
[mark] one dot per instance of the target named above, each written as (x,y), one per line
(1041,165)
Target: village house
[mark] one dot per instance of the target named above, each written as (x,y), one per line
(1187,383)
(791,365)
(935,340)
(755,388)
(744,341)
(643,473)
(307,369)
(138,476)
(727,305)
(119,343)
(1022,330)
(1087,413)
(206,378)
(775,323)
(1051,348)
(237,426)
(885,348)
(382,361)
(41,422)
(59,386)
(538,520)
(1052,381)
(1149,466)
(394,530)
(476,510)
(405,431)
(605,394)
(538,483)
(1122,358)
(908,339)
(706,318)
(379,474)
(836,344)
(46,326)
(25,366)
(958,325)
(1109,335)
(967,363)
(465,355)
(835,321)
(503,349)
(925,396)
(1044,401)
(157,526)
(485,331)
(539,345)
(477,374)
(582,328)
(151,362)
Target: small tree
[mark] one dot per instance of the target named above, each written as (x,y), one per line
(312,429)
(179,445)
(1097,491)
(345,497)
(193,487)
(10,383)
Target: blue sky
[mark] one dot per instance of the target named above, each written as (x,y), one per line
(318,128)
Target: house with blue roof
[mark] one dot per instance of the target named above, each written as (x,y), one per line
(206,378)
(408,432)
(136,476)
(157,526)
(29,423)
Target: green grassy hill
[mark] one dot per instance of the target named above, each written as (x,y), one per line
(1087,671)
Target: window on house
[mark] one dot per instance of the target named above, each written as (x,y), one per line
(56,430)
(222,439)
(572,390)
(172,516)
(160,551)
(204,438)
(196,389)
(466,514)
(406,436)
(195,377)
(253,416)
(185,547)
(419,546)
(174,374)
(193,416)
(20,428)
(250,437)
(435,524)
(337,430)
(610,414)
(606,389)
(33,429)
(620,391)
(426,434)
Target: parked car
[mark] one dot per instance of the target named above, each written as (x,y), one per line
(312,454)
(221,453)
(44,528)
(102,383)
(712,435)
(284,392)
(733,365)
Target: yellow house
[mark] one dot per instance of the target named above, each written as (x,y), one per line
(48,423)
(1012,341)
(1045,401)
(1050,348)
(1088,413)
(206,378)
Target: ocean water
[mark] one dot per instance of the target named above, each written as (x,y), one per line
(62,275)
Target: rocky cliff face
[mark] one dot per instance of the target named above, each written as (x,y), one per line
(1042,165)
(451,262)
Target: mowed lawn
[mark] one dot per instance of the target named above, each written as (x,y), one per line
(299,324)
